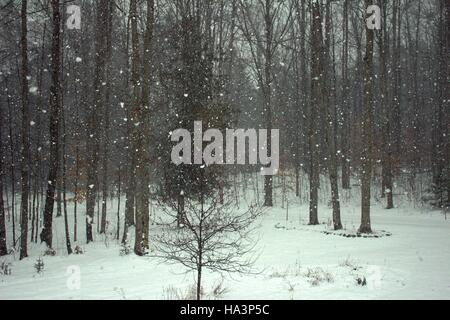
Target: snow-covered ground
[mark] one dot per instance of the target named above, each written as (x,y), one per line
(295,261)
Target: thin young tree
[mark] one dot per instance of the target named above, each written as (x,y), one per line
(3,245)
(215,236)
(13,164)
(64,182)
(302,88)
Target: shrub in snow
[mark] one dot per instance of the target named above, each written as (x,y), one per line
(349,264)
(5,268)
(78,250)
(318,275)
(125,249)
(172,293)
(50,252)
(218,290)
(39,265)
(290,271)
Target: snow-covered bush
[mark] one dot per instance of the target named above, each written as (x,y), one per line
(5,268)
(125,249)
(317,275)
(349,263)
(50,252)
(78,250)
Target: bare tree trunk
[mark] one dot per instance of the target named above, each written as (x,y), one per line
(136,109)
(268,19)
(75,203)
(446,80)
(64,186)
(25,148)
(118,202)
(13,168)
(39,175)
(94,132)
(316,80)
(59,187)
(367,131)
(345,105)
(34,212)
(386,126)
(141,113)
(397,94)
(46,233)
(106,119)
(301,90)
(330,121)
(3,246)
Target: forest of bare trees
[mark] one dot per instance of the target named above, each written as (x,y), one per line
(86,114)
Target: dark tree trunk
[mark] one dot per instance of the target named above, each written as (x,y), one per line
(345,105)
(141,112)
(94,132)
(268,17)
(25,147)
(46,234)
(106,114)
(64,186)
(367,131)
(328,90)
(118,202)
(386,111)
(316,81)
(3,246)
(13,168)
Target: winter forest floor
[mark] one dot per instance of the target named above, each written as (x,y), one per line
(295,261)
